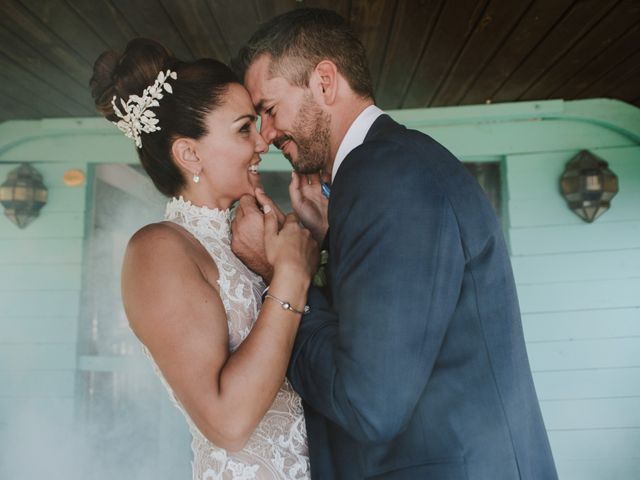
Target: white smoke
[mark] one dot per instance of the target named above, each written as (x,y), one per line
(125,426)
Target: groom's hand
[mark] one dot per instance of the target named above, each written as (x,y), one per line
(247,240)
(310,204)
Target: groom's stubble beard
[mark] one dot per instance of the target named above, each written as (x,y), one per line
(311,133)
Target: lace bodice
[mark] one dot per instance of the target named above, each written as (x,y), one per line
(278,447)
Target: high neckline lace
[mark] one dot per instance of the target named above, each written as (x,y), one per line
(187,214)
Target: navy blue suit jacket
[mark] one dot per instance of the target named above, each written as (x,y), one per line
(417,367)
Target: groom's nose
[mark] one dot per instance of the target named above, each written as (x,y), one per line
(267,129)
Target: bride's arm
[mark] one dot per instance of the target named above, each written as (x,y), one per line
(180,317)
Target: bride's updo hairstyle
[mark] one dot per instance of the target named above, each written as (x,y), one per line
(199,88)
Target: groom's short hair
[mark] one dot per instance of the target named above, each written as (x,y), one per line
(299,39)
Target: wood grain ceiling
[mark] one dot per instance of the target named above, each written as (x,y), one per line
(422,52)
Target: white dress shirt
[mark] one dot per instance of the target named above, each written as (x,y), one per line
(355,135)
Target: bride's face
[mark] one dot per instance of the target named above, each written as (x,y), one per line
(230,152)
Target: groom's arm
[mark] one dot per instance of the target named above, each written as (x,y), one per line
(399,266)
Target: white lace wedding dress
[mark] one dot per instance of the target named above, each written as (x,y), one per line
(278,447)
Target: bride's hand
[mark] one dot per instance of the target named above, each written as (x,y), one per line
(263,199)
(291,250)
(247,229)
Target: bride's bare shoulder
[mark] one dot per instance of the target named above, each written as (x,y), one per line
(159,241)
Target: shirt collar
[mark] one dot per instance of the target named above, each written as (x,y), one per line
(355,135)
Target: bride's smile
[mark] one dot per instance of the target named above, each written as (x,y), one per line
(227,156)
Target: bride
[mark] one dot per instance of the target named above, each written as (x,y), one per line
(197,309)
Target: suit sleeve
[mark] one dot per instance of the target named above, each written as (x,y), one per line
(397,266)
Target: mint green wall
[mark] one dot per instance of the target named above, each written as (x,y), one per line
(579,284)
(579,289)
(40,285)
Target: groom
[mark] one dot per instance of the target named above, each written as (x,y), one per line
(413,365)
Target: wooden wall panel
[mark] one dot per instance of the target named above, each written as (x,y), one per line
(578,286)
(547,211)
(24,25)
(575,238)
(453,26)
(498,20)
(529,32)
(12,91)
(22,109)
(527,183)
(582,53)
(588,383)
(39,329)
(40,298)
(593,413)
(227,14)
(422,53)
(21,358)
(20,278)
(372,20)
(626,88)
(39,251)
(72,31)
(411,30)
(585,354)
(69,225)
(582,324)
(606,61)
(571,27)
(615,445)
(106,21)
(36,303)
(17,412)
(65,199)
(573,267)
(496,139)
(619,73)
(148,18)
(199,28)
(23,84)
(73,92)
(586,295)
(589,469)
(37,384)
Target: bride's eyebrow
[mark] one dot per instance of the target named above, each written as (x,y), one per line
(248,116)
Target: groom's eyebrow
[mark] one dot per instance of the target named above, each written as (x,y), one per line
(260,105)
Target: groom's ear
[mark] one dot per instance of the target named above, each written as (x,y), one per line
(184,154)
(327,81)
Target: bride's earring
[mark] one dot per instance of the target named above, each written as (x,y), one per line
(196,177)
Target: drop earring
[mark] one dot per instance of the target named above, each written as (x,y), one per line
(196,177)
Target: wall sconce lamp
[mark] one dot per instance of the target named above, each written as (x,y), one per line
(23,195)
(588,185)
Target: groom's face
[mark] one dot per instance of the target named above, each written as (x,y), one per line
(290,118)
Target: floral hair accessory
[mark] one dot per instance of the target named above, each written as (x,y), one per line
(137,116)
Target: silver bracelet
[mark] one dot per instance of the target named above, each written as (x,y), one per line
(287,305)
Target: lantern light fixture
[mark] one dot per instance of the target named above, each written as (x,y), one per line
(588,185)
(23,195)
